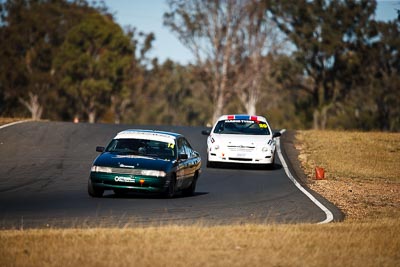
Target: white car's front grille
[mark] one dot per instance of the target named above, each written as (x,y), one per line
(240,159)
(241,148)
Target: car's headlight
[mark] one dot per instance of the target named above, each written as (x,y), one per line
(265,149)
(216,147)
(153,173)
(101,169)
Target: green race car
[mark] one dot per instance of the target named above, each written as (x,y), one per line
(145,161)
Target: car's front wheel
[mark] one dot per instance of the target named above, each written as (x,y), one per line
(93,190)
(170,193)
(210,164)
(271,166)
(119,192)
(192,188)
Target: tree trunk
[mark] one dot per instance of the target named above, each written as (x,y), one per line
(92,116)
(320,118)
(324,117)
(91,111)
(316,119)
(33,106)
(251,106)
(119,107)
(227,53)
(115,107)
(218,108)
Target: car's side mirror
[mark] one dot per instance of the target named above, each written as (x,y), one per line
(206,132)
(100,148)
(277,134)
(182,156)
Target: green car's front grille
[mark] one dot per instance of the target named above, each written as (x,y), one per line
(126,171)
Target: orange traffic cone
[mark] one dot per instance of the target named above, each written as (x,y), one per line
(319,173)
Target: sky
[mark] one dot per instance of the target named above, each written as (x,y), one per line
(147,16)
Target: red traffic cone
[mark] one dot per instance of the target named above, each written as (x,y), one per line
(319,173)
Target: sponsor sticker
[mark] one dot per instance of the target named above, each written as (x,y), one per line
(124,179)
(263,125)
(239,121)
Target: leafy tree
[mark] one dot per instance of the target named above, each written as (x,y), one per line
(26,53)
(387,75)
(171,94)
(93,61)
(285,103)
(130,88)
(373,104)
(325,34)
(30,35)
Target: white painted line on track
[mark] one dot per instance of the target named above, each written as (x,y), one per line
(328,213)
(13,123)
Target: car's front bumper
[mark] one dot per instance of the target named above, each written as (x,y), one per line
(242,157)
(129,182)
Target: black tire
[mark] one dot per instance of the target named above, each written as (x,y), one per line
(271,166)
(192,188)
(170,192)
(119,192)
(94,191)
(210,164)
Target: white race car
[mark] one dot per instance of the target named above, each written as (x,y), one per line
(241,139)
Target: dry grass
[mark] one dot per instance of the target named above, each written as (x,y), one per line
(361,169)
(361,156)
(10,120)
(362,185)
(356,244)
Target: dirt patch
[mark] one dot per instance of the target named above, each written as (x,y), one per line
(360,194)
(361,200)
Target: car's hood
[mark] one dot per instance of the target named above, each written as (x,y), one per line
(132,161)
(241,140)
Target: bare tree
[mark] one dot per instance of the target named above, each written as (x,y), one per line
(39,86)
(33,105)
(208,28)
(256,38)
(229,39)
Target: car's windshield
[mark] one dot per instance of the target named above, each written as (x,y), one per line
(150,148)
(248,127)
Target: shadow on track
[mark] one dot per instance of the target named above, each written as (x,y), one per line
(135,195)
(244,166)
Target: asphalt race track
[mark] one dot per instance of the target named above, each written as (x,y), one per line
(44,167)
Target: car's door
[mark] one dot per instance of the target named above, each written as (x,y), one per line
(193,162)
(183,165)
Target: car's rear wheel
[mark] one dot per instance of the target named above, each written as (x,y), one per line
(93,190)
(170,193)
(192,188)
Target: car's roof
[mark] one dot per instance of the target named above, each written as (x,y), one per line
(147,134)
(242,117)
